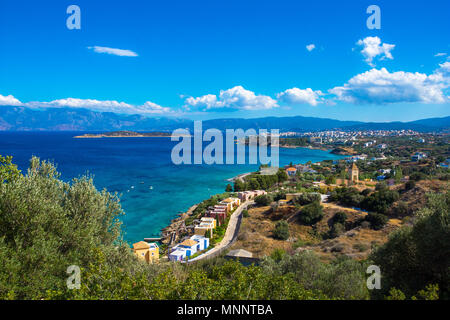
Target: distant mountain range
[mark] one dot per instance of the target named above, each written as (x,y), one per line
(70,119)
(14,118)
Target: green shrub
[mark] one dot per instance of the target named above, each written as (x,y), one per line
(307,198)
(281,230)
(417,256)
(343,278)
(410,184)
(279,196)
(380,186)
(278,254)
(330,180)
(336,230)
(340,217)
(400,209)
(417,176)
(346,196)
(361,247)
(47,225)
(380,201)
(311,213)
(263,200)
(377,220)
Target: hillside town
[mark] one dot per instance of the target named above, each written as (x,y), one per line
(387,164)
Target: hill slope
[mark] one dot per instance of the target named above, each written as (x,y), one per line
(14,118)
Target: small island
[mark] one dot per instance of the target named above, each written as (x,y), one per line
(125,134)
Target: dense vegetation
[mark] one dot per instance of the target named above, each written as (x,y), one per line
(419,255)
(47,225)
(263,200)
(376,203)
(259,181)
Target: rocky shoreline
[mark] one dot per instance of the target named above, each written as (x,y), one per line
(176,225)
(240,177)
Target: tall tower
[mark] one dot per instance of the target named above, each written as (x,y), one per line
(354,173)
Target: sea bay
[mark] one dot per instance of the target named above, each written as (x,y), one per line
(152,189)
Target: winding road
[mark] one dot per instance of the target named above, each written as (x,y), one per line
(230,235)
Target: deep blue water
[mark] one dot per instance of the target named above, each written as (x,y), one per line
(153,190)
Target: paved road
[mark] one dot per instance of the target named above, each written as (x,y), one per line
(230,234)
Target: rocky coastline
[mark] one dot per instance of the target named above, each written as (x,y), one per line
(176,226)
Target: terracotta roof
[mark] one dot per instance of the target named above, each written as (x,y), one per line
(188,243)
(291,169)
(354,166)
(141,245)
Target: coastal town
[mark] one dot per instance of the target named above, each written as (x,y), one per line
(195,239)
(369,159)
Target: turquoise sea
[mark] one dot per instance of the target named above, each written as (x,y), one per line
(153,190)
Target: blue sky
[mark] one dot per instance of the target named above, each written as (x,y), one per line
(215,59)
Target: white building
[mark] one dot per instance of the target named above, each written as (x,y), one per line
(188,248)
(418,156)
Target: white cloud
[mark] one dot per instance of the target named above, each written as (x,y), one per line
(103,106)
(236,98)
(114,51)
(444,68)
(372,47)
(442,74)
(150,107)
(310,47)
(207,101)
(9,101)
(440,54)
(381,87)
(300,96)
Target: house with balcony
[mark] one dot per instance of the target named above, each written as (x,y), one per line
(204,227)
(231,203)
(177,255)
(202,241)
(188,248)
(218,212)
